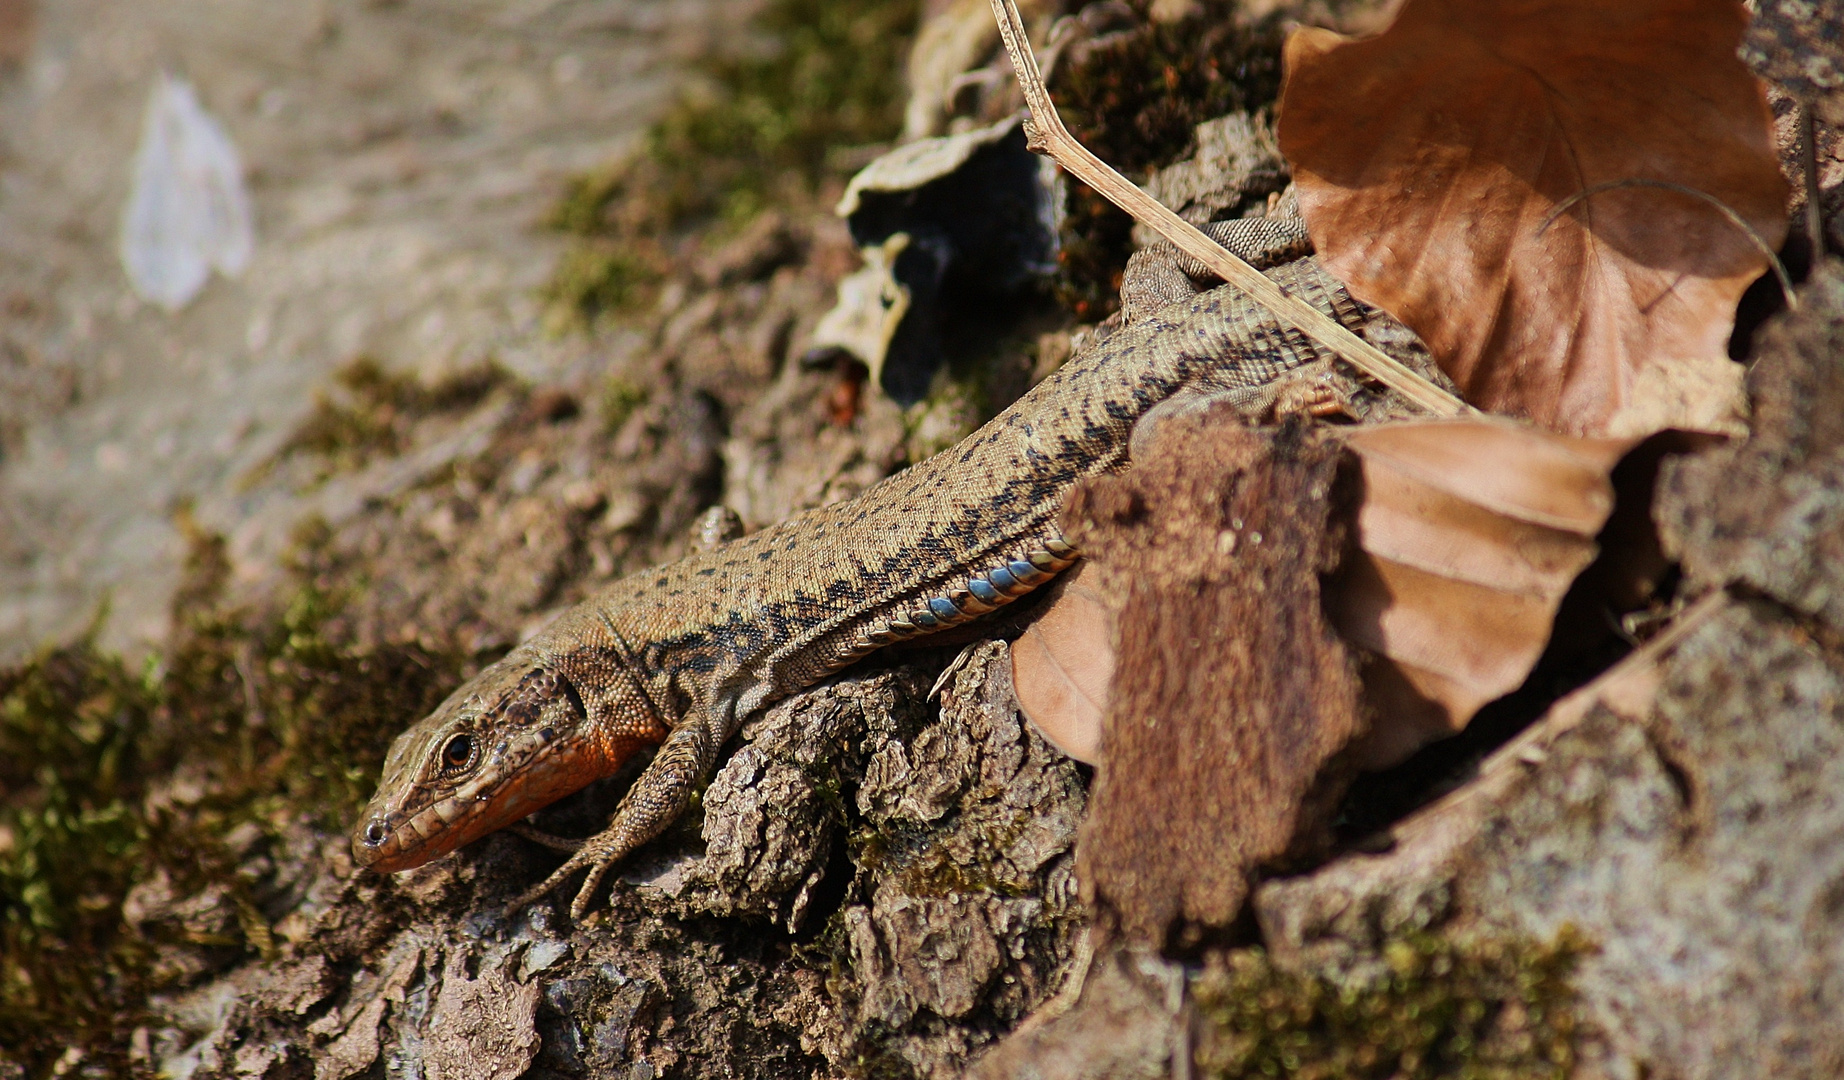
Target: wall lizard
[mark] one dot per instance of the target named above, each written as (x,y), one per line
(679,656)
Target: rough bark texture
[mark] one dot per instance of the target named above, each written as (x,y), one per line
(1767,513)
(1128,1026)
(925,863)
(1231,691)
(1678,813)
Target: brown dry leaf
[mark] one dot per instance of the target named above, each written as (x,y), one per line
(1469,533)
(1062,665)
(1427,158)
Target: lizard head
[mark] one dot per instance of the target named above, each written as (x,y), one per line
(512,740)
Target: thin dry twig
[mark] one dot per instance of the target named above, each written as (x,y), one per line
(1047,135)
(1808,166)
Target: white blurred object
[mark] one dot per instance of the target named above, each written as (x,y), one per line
(188,211)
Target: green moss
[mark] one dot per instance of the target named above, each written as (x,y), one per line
(875,1055)
(763,128)
(982,374)
(370,411)
(832,78)
(259,718)
(595,278)
(582,209)
(925,864)
(1470,1009)
(620,397)
(1135,101)
(73,728)
(951,412)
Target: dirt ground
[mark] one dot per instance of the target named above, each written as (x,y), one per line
(400,155)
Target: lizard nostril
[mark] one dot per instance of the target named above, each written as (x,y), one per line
(376,832)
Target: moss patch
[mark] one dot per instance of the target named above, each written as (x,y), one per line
(929,862)
(1134,101)
(619,398)
(984,371)
(832,79)
(165,780)
(763,128)
(594,278)
(1475,1009)
(369,414)
(72,740)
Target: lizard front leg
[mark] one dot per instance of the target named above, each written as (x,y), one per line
(656,800)
(948,540)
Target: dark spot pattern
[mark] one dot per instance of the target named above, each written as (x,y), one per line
(966,531)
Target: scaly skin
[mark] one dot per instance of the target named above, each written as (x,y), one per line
(680,656)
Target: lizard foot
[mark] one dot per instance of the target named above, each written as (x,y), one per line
(657,798)
(599,853)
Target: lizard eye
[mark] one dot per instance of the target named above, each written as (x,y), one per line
(457,751)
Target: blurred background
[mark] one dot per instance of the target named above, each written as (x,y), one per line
(399,157)
(263,266)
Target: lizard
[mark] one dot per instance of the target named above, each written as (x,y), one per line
(678,657)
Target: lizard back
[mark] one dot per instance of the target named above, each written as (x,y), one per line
(679,656)
(950,538)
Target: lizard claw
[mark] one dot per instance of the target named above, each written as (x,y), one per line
(655,800)
(598,857)
(585,895)
(555,843)
(548,885)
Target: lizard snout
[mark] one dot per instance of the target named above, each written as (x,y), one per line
(375,841)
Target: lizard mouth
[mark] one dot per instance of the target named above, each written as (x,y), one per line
(389,840)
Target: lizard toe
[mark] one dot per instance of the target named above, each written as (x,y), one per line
(544,888)
(585,896)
